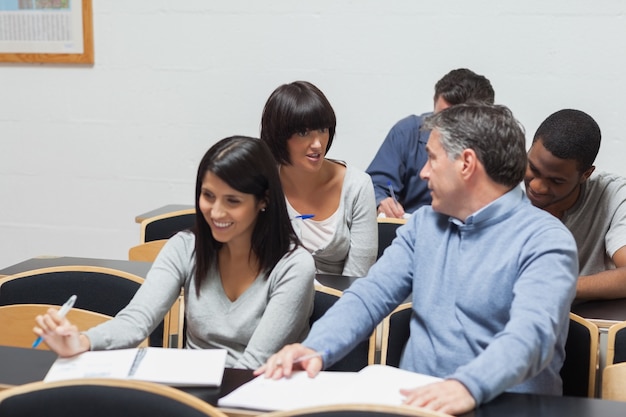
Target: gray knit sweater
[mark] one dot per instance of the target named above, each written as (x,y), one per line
(272,312)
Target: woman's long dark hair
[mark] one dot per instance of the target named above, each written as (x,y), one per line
(246,165)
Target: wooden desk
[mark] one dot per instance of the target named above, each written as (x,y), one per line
(338,282)
(134,267)
(604,313)
(20,366)
(161,210)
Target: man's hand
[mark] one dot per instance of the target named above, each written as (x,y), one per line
(295,356)
(391,208)
(448,396)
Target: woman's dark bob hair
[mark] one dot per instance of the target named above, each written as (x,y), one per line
(294,108)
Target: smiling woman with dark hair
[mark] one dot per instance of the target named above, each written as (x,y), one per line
(248,284)
(298,124)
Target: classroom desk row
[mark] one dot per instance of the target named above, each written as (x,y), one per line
(603,313)
(20,365)
(134,267)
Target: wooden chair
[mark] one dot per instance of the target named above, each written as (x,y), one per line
(146,252)
(616,344)
(166,225)
(614,382)
(97,397)
(581,358)
(102,290)
(17,322)
(387,232)
(395,334)
(177,323)
(359,357)
(357,410)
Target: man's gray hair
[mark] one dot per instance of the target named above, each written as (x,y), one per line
(491,131)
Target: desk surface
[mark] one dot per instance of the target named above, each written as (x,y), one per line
(338,282)
(134,267)
(162,210)
(20,365)
(603,313)
(141,269)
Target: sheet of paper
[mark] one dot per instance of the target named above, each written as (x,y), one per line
(177,367)
(383,383)
(375,384)
(183,367)
(97,364)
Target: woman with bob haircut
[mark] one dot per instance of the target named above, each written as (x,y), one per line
(298,124)
(248,285)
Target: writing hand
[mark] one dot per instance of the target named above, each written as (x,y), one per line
(391,208)
(295,356)
(448,396)
(60,335)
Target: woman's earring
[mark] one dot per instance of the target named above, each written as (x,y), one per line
(263,209)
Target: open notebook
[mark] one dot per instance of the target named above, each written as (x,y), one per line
(176,367)
(374,384)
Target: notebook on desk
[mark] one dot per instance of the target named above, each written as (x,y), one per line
(374,384)
(176,367)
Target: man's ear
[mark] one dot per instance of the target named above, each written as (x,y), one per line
(587,174)
(469,162)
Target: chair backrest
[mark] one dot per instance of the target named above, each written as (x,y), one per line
(395,334)
(166,225)
(358,410)
(614,382)
(146,252)
(102,398)
(103,290)
(359,357)
(616,344)
(581,358)
(387,232)
(17,322)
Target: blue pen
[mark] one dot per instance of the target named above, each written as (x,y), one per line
(62,312)
(393,195)
(304,216)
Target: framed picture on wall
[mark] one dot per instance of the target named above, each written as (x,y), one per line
(54,31)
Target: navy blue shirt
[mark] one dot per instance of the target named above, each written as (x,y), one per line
(399,160)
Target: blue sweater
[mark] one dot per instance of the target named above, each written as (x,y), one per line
(491,298)
(399,160)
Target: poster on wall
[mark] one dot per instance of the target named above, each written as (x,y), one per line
(58,31)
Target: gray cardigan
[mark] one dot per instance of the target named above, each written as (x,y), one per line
(353,248)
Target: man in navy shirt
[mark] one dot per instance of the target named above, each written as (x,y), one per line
(403,153)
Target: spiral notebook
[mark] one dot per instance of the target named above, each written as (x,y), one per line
(176,367)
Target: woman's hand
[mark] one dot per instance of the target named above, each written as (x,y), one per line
(60,335)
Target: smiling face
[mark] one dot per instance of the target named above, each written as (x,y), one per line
(443,176)
(231,214)
(552,183)
(307,149)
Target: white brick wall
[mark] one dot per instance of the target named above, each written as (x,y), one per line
(85,149)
